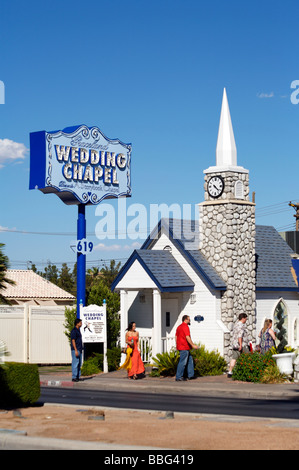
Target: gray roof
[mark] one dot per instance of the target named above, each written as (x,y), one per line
(163,269)
(273,258)
(187,232)
(274,263)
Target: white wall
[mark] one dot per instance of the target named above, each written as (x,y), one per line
(266,302)
(209,332)
(35,334)
(207,304)
(12,332)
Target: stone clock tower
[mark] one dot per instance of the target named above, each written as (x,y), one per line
(227,229)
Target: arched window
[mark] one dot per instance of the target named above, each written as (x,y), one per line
(281,322)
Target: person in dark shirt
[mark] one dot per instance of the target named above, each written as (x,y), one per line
(76,350)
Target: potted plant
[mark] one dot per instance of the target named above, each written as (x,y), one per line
(285,355)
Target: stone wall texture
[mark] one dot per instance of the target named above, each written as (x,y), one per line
(227,239)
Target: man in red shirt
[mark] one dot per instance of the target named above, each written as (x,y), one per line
(184,344)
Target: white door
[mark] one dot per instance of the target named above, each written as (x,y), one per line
(169,318)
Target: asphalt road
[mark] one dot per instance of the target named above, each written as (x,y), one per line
(283,409)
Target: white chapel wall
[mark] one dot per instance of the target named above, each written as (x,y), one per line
(266,302)
(207,303)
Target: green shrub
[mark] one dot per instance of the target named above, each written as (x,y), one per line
(166,363)
(205,362)
(94,364)
(208,362)
(272,375)
(113,358)
(19,384)
(250,367)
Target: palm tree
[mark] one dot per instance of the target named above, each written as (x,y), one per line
(3,279)
(109,274)
(93,272)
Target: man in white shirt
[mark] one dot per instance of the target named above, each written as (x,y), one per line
(240,342)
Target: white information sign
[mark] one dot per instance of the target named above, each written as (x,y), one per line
(94,327)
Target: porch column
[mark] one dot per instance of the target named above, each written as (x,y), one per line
(123,321)
(157,326)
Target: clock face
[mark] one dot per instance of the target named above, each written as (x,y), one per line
(215,186)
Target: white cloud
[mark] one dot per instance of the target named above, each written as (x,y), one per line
(7,229)
(265,95)
(11,151)
(117,247)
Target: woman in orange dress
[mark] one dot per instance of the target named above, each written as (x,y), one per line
(135,367)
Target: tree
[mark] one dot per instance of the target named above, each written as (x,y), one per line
(281,335)
(66,280)
(70,315)
(51,273)
(109,274)
(4,264)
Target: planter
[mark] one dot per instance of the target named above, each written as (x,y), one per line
(284,362)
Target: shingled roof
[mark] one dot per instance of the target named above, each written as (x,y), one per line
(274,262)
(162,268)
(273,254)
(29,285)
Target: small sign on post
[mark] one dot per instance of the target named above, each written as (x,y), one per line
(94,327)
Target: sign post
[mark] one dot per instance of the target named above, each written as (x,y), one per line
(94,327)
(82,167)
(81,259)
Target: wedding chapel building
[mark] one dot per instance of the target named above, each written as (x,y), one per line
(211,269)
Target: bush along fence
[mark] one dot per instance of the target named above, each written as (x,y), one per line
(19,384)
(257,367)
(205,363)
(251,367)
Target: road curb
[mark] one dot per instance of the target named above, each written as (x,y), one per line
(56,383)
(19,442)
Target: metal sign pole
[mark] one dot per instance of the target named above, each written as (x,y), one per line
(105,364)
(81,259)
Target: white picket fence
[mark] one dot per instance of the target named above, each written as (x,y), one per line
(145,344)
(34,334)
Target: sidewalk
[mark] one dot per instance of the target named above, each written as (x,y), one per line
(203,386)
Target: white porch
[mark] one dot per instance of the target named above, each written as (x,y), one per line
(156,315)
(153,292)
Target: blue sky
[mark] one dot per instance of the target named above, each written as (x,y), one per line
(150,73)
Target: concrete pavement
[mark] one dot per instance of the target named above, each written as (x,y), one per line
(204,386)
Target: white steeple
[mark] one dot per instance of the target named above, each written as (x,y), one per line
(226,151)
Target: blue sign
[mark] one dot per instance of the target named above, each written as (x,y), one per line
(199,318)
(80,165)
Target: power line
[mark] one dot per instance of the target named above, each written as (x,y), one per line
(260,212)
(70,234)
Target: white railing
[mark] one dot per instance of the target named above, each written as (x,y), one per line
(145,344)
(168,342)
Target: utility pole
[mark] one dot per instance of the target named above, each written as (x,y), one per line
(296,207)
